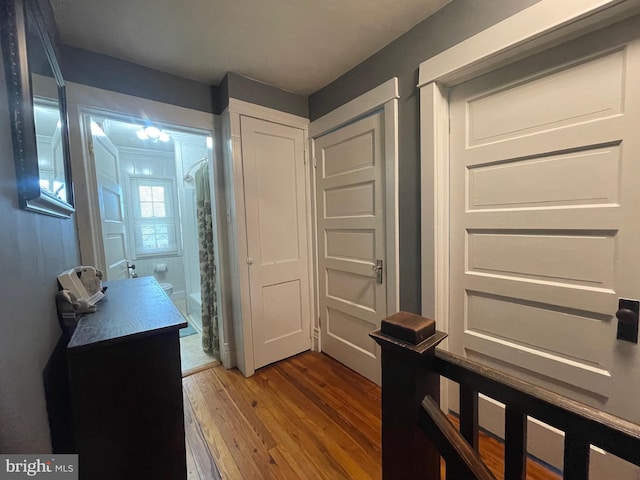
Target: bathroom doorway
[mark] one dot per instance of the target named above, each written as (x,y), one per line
(146,187)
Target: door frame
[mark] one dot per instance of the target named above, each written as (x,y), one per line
(240,304)
(534,29)
(383,97)
(84,101)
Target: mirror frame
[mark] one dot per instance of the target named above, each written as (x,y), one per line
(21,108)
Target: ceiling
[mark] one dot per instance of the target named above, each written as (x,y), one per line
(123,134)
(296,45)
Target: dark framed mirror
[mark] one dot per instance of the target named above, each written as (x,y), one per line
(38,108)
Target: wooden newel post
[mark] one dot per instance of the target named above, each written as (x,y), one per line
(407,342)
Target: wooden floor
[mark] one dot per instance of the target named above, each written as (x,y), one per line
(307,417)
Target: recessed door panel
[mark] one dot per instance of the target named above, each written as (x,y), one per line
(547,258)
(276,182)
(359,290)
(282,311)
(547,181)
(553,99)
(351,330)
(351,244)
(353,154)
(356,200)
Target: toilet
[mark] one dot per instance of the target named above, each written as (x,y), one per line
(168,288)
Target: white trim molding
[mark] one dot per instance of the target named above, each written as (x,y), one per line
(536,27)
(358,107)
(240,107)
(385,98)
(226,354)
(434,146)
(316,340)
(392,223)
(238,240)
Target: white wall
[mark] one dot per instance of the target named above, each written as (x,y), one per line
(190,150)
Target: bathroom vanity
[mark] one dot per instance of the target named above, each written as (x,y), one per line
(126,386)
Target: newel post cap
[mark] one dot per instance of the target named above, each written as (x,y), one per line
(404,331)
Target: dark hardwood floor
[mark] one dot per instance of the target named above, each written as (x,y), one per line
(307,417)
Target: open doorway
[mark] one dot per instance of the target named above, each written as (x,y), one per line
(148,178)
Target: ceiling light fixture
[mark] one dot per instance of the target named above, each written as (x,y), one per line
(154,134)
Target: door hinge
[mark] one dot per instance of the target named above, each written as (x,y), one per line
(90,145)
(249,261)
(315,162)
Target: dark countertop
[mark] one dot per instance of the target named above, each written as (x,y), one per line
(132,308)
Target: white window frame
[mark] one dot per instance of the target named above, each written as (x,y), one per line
(172,215)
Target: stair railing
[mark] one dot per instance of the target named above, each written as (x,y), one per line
(416,433)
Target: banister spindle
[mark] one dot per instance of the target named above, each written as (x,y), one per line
(515,443)
(469,415)
(407,342)
(576,457)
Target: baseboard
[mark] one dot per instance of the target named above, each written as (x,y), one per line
(227,356)
(316,340)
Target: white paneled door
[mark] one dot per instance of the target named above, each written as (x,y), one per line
(351,242)
(275,202)
(112,219)
(545,225)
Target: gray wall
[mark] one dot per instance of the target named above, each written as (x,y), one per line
(109,73)
(33,250)
(243,88)
(457,21)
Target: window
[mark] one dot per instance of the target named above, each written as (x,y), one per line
(155,222)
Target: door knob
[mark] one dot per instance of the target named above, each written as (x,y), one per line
(627,316)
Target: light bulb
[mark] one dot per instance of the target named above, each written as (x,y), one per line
(164,136)
(142,134)
(152,132)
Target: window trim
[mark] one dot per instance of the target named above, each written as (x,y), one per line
(172,207)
